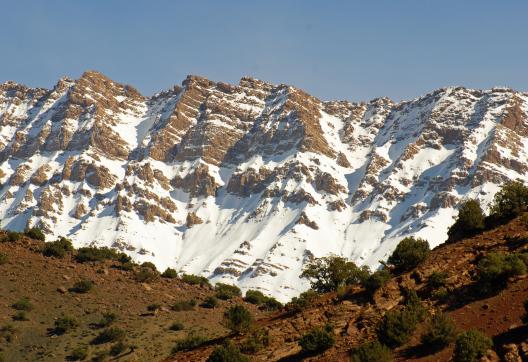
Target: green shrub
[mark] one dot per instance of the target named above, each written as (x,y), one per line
(146,275)
(3,258)
(510,201)
(57,248)
(376,280)
(409,253)
(396,327)
(238,319)
(177,326)
(23,304)
(209,302)
(256,341)
(413,305)
(184,305)
(494,270)
(12,236)
(195,280)
(271,304)
(101,356)
(317,340)
(440,294)
(108,335)
(254,297)
(436,280)
(20,316)
(327,274)
(470,346)
(301,302)
(127,266)
(440,332)
(35,233)
(470,221)
(65,324)
(8,332)
(149,265)
(227,353)
(192,340)
(169,273)
(118,348)
(107,319)
(371,352)
(91,254)
(82,286)
(226,291)
(78,354)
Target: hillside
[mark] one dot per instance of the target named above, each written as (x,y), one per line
(47,282)
(247,183)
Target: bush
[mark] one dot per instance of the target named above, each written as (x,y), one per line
(409,253)
(35,233)
(440,294)
(192,340)
(23,304)
(149,265)
(317,340)
(396,327)
(227,353)
(100,356)
(146,275)
(127,266)
(184,305)
(11,236)
(510,201)
(91,253)
(82,286)
(271,304)
(327,274)
(169,273)
(107,319)
(238,319)
(226,291)
(20,316)
(108,335)
(441,331)
(494,270)
(118,348)
(376,280)
(436,280)
(65,324)
(195,280)
(413,305)
(209,302)
(177,326)
(3,258)
(470,221)
(78,354)
(7,332)
(371,352)
(57,248)
(299,303)
(153,307)
(257,340)
(470,346)
(254,297)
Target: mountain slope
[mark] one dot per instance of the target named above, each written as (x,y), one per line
(245,183)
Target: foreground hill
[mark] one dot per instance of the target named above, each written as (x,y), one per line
(247,183)
(147,307)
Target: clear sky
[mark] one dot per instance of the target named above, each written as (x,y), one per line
(353,50)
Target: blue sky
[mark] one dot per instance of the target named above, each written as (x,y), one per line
(353,50)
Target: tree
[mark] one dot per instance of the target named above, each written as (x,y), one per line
(371,352)
(470,346)
(317,340)
(376,280)
(470,221)
(494,270)
(409,253)
(329,273)
(441,331)
(238,319)
(396,327)
(510,201)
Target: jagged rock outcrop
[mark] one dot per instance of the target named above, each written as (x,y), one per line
(98,162)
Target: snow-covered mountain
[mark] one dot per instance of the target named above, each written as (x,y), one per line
(246,183)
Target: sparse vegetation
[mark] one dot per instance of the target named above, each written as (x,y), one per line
(327,274)
(209,302)
(184,305)
(396,327)
(376,280)
(228,352)
(153,307)
(436,280)
(57,248)
(470,346)
(35,233)
(495,268)
(23,304)
(106,320)
(257,340)
(177,326)
(78,354)
(317,340)
(192,340)
(238,319)
(409,253)
(112,334)
(3,258)
(371,352)
(65,324)
(170,273)
(20,316)
(195,280)
(11,236)
(94,254)
(7,332)
(118,348)
(147,274)
(82,286)
(299,303)
(226,291)
(440,332)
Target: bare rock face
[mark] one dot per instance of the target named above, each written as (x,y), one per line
(94,160)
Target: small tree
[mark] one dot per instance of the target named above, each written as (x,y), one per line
(227,291)
(299,303)
(35,233)
(238,319)
(317,340)
(436,280)
(371,352)
(510,201)
(170,273)
(227,353)
(494,270)
(82,286)
(441,331)
(209,302)
(470,221)
(409,253)
(470,346)
(327,274)
(254,297)
(376,280)
(396,327)
(57,248)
